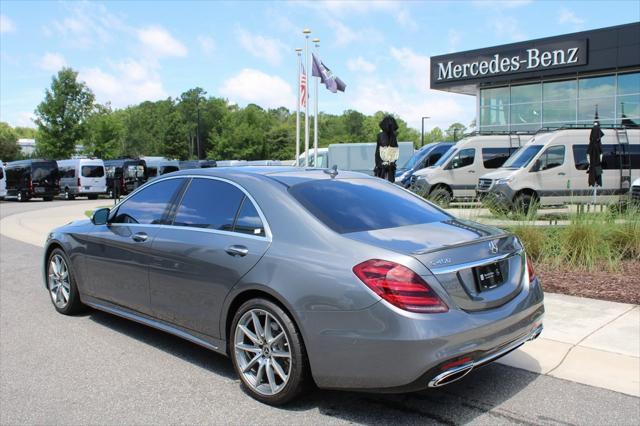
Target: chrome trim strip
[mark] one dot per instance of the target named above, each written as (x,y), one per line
(438,380)
(465,243)
(152,323)
(473,264)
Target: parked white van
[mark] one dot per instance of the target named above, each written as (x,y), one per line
(455,175)
(158,166)
(3,182)
(82,177)
(551,169)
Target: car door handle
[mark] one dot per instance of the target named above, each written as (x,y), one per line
(471,171)
(561,174)
(237,251)
(139,237)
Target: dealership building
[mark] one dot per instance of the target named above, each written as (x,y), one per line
(549,82)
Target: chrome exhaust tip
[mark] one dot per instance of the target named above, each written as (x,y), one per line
(451,375)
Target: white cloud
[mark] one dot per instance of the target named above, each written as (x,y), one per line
(25,119)
(405,20)
(125,83)
(415,68)
(253,86)
(89,24)
(207,44)
(6,24)
(507,27)
(501,4)
(160,43)
(359,64)
(269,49)
(396,9)
(52,62)
(569,17)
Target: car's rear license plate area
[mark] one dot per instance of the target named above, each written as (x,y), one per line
(488,276)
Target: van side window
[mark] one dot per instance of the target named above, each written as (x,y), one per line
(493,158)
(462,159)
(551,157)
(611,154)
(67,172)
(149,205)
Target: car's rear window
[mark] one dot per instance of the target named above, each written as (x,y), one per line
(92,171)
(357,205)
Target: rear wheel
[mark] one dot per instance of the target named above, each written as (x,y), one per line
(21,196)
(267,352)
(47,198)
(525,205)
(61,284)
(92,196)
(68,195)
(441,196)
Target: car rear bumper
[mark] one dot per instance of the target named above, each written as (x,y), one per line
(91,190)
(384,349)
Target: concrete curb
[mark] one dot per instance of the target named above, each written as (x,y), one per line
(588,341)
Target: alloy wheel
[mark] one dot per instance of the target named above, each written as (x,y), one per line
(59,281)
(262,352)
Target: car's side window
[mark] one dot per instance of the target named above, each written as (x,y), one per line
(210,204)
(248,221)
(148,206)
(552,157)
(464,158)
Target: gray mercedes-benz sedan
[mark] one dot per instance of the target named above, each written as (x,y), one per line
(303,276)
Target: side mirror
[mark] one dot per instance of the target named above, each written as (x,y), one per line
(582,166)
(100,216)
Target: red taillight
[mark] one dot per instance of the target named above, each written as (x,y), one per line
(530,270)
(399,286)
(30,185)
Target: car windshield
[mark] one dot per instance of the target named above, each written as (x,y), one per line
(522,157)
(416,158)
(355,205)
(445,157)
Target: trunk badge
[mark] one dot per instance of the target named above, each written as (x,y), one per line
(493,247)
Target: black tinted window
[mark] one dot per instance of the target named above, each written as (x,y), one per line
(363,204)
(248,221)
(1,173)
(612,156)
(67,172)
(149,205)
(168,169)
(494,158)
(463,158)
(92,171)
(44,171)
(209,204)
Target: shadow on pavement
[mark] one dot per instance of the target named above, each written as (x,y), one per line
(480,393)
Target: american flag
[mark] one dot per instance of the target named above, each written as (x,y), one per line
(303,88)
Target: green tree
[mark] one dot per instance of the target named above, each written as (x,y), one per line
(62,114)
(174,141)
(26,132)
(104,134)
(9,149)
(434,135)
(455,132)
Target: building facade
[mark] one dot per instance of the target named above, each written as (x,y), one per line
(551,82)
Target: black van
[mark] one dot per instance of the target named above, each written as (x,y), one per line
(124,175)
(32,179)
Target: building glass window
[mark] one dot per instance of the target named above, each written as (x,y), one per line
(628,101)
(600,92)
(494,109)
(559,103)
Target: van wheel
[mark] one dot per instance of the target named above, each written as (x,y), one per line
(525,205)
(68,195)
(268,352)
(20,197)
(441,196)
(47,198)
(92,196)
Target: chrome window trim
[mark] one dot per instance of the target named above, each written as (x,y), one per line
(267,229)
(473,264)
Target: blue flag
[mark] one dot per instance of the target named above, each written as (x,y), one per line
(327,78)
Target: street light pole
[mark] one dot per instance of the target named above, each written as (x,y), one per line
(306,33)
(422,134)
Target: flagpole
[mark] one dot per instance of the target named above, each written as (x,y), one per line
(306,33)
(298,54)
(316,41)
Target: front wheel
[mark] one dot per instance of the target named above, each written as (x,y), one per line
(441,196)
(525,205)
(61,284)
(268,352)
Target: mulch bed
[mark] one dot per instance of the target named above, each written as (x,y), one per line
(620,286)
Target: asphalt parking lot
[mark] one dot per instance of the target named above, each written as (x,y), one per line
(99,369)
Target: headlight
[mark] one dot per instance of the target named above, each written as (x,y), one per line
(504,181)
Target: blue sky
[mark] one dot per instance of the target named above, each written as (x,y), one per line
(128,52)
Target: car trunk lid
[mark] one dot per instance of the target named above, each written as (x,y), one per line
(480,267)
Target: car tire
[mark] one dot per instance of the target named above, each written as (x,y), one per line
(524,205)
(92,196)
(68,195)
(47,198)
(441,196)
(21,197)
(269,378)
(61,284)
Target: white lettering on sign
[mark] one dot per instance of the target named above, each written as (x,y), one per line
(524,60)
